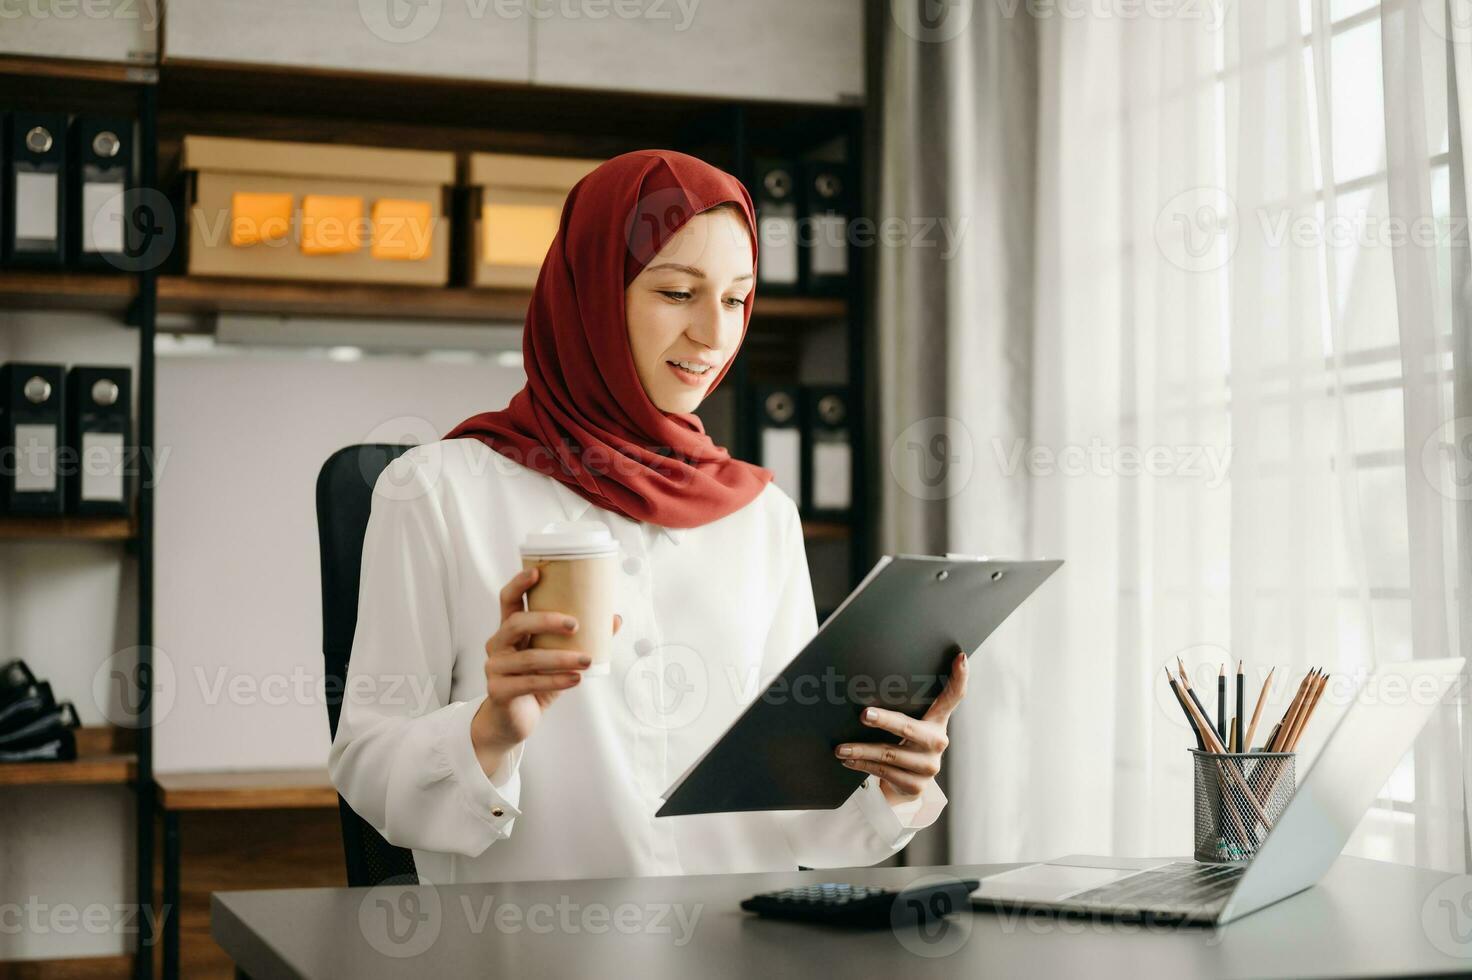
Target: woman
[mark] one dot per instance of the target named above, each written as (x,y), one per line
(495,761)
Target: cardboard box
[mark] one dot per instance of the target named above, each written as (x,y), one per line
(516,204)
(268,209)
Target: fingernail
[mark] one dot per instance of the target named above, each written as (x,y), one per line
(869,714)
(845,751)
(585,661)
(570,624)
(850,763)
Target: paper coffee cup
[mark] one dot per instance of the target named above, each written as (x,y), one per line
(578,561)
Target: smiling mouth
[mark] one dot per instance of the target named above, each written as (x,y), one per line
(686,375)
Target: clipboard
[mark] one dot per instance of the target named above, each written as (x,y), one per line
(890,643)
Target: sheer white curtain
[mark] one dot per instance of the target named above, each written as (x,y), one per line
(1250,426)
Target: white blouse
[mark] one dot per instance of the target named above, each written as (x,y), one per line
(710,615)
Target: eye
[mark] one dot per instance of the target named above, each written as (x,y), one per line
(739,301)
(678,294)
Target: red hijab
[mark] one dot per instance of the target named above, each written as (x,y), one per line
(584,417)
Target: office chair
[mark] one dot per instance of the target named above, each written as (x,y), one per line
(344,499)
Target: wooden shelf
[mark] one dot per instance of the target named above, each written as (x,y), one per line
(825,530)
(201,296)
(77,69)
(104,967)
(104,758)
(264,789)
(66,528)
(112,293)
(43,289)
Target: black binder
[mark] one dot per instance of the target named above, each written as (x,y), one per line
(897,633)
(100,175)
(827,453)
(34,232)
(774,189)
(31,397)
(830,200)
(776,440)
(98,437)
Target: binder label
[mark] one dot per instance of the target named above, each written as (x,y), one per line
(35,458)
(35,206)
(102,466)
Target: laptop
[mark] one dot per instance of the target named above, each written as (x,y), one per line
(1362,751)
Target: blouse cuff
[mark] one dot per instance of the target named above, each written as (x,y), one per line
(896,823)
(491,798)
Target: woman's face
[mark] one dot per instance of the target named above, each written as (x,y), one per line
(687,305)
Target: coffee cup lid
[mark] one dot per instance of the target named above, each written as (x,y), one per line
(570,538)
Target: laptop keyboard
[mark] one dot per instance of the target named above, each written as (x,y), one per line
(1180,887)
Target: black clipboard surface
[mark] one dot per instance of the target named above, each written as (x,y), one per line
(888,644)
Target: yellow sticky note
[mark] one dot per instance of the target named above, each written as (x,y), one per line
(257,218)
(331,224)
(517,234)
(402,229)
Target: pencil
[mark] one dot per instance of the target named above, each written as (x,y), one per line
(1307,713)
(1238,721)
(1191,691)
(1214,745)
(1232,737)
(1221,704)
(1287,723)
(1262,699)
(1181,700)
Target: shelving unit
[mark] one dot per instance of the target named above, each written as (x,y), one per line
(107,756)
(373,109)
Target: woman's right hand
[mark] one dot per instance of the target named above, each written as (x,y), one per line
(521,682)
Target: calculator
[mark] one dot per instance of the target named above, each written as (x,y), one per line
(864,906)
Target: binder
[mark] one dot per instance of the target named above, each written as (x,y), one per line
(889,644)
(828,453)
(30,438)
(99,438)
(101,173)
(34,189)
(830,198)
(775,192)
(777,441)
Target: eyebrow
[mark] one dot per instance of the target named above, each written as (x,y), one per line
(689,269)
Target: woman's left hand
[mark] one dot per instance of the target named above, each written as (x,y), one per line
(904,769)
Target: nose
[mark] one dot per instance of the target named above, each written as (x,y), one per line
(715,325)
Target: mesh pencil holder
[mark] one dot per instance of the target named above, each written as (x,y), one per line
(1239,798)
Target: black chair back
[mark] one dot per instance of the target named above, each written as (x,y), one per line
(344,499)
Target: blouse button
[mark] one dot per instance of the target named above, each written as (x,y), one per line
(631,565)
(643,646)
(498,812)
